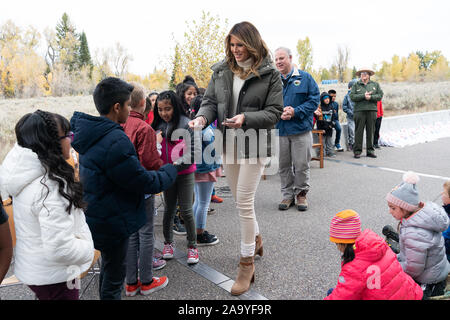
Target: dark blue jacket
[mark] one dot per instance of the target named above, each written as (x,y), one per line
(335,107)
(301,92)
(114,181)
(347,106)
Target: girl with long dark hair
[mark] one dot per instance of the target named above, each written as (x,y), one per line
(54,244)
(169,116)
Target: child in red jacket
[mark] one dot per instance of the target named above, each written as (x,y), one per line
(376,136)
(370,270)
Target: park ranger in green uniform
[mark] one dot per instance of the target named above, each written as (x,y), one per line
(365,94)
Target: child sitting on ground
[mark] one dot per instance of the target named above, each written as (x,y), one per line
(422,251)
(370,270)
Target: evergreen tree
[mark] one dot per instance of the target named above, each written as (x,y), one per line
(68,43)
(176,71)
(84,56)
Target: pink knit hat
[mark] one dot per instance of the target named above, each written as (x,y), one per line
(405,195)
(345,227)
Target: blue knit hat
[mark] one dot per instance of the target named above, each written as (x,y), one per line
(405,195)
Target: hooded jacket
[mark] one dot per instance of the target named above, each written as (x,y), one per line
(260,101)
(143,138)
(113,179)
(52,246)
(422,248)
(374,274)
(328,118)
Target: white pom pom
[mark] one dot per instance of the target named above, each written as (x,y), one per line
(411,177)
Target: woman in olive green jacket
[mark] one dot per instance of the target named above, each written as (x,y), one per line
(245,95)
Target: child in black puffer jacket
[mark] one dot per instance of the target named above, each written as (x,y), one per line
(325,121)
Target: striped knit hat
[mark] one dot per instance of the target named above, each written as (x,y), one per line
(345,227)
(405,195)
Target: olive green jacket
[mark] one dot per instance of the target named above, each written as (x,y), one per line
(260,100)
(357,95)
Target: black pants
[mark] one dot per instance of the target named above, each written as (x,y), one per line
(434,289)
(376,135)
(113,271)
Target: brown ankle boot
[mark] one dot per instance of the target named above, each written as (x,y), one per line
(259,246)
(246,275)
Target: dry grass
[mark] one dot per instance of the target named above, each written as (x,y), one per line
(399,98)
(12,110)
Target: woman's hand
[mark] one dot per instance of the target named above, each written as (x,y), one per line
(199,122)
(236,122)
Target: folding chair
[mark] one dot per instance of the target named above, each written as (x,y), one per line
(94,271)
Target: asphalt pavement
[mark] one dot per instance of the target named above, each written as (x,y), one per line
(299,262)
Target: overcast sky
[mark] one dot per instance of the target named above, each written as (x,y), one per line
(373,30)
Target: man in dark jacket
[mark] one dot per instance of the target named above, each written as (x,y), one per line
(365,93)
(301,98)
(113,179)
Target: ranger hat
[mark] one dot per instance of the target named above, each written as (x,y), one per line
(369,71)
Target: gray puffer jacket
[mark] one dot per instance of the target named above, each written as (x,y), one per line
(422,248)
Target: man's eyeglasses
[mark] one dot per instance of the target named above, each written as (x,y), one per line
(70,135)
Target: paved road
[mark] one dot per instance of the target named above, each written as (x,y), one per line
(299,261)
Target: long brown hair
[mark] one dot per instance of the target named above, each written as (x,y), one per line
(246,33)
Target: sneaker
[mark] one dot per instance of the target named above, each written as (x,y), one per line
(157,255)
(377,146)
(132,290)
(158,264)
(178,228)
(192,256)
(338,148)
(206,239)
(157,284)
(211,211)
(286,204)
(216,199)
(371,155)
(330,155)
(357,156)
(168,251)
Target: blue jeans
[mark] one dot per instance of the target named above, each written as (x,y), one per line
(338,128)
(141,247)
(112,271)
(203,191)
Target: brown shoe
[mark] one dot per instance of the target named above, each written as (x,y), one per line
(259,246)
(245,277)
(302,204)
(286,204)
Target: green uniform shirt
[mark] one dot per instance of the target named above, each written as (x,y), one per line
(357,95)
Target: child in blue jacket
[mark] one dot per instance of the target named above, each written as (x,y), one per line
(114,180)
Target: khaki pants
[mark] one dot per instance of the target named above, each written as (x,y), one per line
(295,155)
(243,179)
